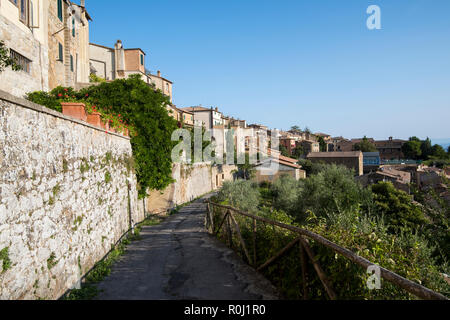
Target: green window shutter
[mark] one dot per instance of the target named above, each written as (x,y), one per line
(73,27)
(71,63)
(60,51)
(60,10)
(142,59)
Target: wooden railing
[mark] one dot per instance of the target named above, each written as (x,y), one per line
(306,251)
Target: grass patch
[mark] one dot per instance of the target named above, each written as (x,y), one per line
(51,261)
(65,166)
(4,256)
(108,177)
(84,165)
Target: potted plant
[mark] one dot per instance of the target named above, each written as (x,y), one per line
(75,110)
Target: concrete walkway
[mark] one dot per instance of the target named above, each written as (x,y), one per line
(178,260)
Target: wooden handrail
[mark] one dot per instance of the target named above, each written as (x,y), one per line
(408,285)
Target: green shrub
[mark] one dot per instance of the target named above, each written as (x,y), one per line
(397,207)
(333,189)
(241,194)
(96,79)
(286,191)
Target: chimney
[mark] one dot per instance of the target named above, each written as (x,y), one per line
(119,57)
(159,73)
(82,4)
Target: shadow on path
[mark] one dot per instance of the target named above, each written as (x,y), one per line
(178,260)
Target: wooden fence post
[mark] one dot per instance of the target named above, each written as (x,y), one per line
(322,276)
(254,243)
(304,271)
(230,235)
(238,231)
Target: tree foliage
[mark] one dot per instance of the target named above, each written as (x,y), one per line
(424,150)
(332,189)
(241,194)
(365,146)
(6,60)
(411,149)
(284,151)
(397,208)
(322,144)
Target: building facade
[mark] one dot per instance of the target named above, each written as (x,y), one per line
(49,40)
(119,63)
(390,149)
(352,160)
(210,117)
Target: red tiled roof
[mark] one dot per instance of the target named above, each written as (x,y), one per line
(337,154)
(192,109)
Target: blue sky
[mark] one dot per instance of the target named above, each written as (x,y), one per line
(306,63)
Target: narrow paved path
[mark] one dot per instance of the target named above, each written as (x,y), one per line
(178,259)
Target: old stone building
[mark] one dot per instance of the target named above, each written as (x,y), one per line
(352,159)
(68,43)
(118,63)
(49,40)
(390,149)
(23,30)
(275,166)
(210,117)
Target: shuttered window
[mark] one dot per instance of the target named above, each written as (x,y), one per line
(60,10)
(71,63)
(73,27)
(60,52)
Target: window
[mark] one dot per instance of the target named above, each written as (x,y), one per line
(60,10)
(22,5)
(60,52)
(24,11)
(71,63)
(73,27)
(142,59)
(23,62)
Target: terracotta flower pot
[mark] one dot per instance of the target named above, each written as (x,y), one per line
(75,110)
(104,124)
(95,119)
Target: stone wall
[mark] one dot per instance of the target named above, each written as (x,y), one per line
(64,198)
(191,182)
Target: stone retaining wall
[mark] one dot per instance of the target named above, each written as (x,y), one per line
(64,198)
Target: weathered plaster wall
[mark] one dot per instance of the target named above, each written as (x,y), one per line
(63,198)
(192,181)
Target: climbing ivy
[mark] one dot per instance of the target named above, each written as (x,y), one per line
(134,104)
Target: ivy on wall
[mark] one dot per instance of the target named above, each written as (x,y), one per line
(129,102)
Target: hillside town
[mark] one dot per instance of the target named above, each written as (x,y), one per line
(52,55)
(49,45)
